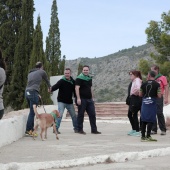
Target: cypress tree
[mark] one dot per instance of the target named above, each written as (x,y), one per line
(53,53)
(38,55)
(22,57)
(80,68)
(62,65)
(10,22)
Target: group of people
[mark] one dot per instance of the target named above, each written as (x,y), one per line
(147,97)
(80,89)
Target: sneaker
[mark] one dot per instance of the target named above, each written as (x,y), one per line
(96,132)
(136,134)
(163,133)
(153,132)
(35,134)
(82,132)
(29,133)
(75,131)
(150,139)
(57,131)
(144,139)
(130,132)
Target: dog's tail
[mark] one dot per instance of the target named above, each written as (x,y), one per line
(35,111)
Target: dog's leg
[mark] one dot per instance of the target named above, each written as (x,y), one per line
(46,133)
(41,134)
(35,129)
(55,130)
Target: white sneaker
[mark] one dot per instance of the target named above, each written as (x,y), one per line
(163,133)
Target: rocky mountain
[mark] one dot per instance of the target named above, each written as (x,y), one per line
(110,73)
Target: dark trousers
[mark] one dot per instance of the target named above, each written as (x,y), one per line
(1,113)
(133,118)
(160,116)
(149,127)
(88,106)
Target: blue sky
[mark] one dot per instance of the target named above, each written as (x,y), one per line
(96,28)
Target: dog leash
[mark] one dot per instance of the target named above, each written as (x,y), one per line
(42,103)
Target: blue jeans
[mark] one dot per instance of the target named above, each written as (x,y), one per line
(71,110)
(32,98)
(88,106)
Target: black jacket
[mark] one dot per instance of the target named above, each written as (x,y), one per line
(66,90)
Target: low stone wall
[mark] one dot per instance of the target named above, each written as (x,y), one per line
(13,124)
(12,128)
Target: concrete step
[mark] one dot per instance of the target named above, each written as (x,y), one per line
(109,109)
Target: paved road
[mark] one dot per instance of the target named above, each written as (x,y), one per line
(72,146)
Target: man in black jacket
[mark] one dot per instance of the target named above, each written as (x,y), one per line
(66,86)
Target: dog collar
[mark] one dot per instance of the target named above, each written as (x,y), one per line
(54,115)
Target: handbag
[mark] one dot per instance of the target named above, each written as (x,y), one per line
(135,103)
(128,100)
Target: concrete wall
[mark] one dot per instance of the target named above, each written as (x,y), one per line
(54,80)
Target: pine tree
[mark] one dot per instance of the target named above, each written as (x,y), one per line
(158,35)
(53,53)
(38,55)
(10,12)
(22,57)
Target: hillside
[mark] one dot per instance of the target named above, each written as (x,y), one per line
(110,73)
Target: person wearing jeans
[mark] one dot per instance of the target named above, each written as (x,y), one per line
(32,98)
(35,76)
(66,86)
(71,111)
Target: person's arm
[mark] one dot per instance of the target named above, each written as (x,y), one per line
(140,93)
(92,93)
(159,95)
(136,87)
(166,94)
(56,86)
(77,88)
(45,78)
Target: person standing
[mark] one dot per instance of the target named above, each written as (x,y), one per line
(85,101)
(162,80)
(150,90)
(66,86)
(134,101)
(35,76)
(2,81)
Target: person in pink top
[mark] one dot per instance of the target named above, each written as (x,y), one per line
(135,101)
(162,80)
